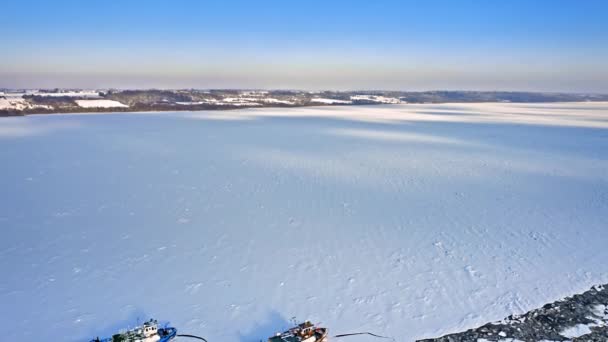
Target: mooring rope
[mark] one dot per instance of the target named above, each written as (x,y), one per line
(336,336)
(192,336)
(364,333)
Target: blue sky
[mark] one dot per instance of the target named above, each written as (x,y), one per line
(547,45)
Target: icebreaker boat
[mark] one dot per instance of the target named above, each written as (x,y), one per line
(304,332)
(147,332)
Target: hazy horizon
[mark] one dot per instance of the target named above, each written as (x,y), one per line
(338,90)
(547,46)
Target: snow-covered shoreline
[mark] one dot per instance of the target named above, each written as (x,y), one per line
(340,111)
(580,317)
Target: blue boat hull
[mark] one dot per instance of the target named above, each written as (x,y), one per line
(167,334)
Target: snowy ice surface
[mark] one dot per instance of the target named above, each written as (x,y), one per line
(100,104)
(410,221)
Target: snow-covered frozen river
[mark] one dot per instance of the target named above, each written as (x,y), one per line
(406,220)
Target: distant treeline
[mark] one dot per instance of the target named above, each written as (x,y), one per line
(169,100)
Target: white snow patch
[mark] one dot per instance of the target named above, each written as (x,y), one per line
(600,315)
(329,101)
(576,331)
(271,100)
(14,103)
(84,93)
(600,310)
(100,104)
(190,103)
(234,100)
(375,98)
(18,103)
(237,101)
(203,101)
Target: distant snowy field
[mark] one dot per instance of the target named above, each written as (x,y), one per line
(100,104)
(406,220)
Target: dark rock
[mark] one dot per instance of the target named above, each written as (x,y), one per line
(546,323)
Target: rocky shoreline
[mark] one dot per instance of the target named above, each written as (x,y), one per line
(582,317)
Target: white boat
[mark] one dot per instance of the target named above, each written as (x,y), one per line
(147,332)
